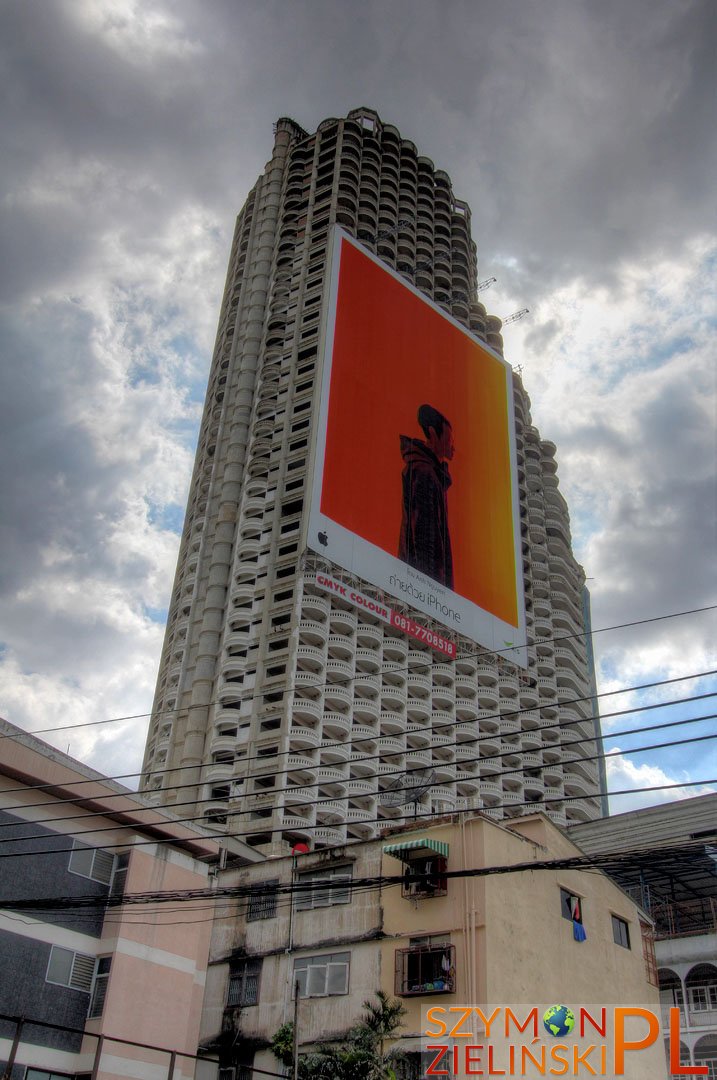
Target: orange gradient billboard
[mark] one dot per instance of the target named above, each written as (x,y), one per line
(415,481)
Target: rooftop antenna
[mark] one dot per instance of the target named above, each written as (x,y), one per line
(485,284)
(516,316)
(408,788)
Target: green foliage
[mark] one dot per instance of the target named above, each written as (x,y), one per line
(361,1054)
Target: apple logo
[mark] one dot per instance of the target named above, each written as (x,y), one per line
(323,539)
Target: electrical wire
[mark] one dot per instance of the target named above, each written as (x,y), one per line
(422,820)
(487,737)
(438,727)
(603,755)
(250,890)
(475,655)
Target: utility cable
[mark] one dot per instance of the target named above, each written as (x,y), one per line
(417,668)
(489,737)
(421,821)
(438,727)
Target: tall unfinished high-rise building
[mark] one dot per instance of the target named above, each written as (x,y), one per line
(283,713)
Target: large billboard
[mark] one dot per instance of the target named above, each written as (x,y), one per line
(415,479)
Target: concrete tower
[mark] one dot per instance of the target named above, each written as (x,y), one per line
(281,713)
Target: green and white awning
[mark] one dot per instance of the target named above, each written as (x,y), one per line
(424,846)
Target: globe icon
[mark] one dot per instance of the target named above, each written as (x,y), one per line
(559,1021)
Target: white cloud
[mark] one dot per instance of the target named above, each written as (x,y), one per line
(624,775)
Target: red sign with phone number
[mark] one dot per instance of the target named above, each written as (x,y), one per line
(404,623)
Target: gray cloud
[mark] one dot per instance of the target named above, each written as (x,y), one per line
(582,136)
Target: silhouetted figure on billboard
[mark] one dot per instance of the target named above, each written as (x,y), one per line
(425,541)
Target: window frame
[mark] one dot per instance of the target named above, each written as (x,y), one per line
(566,896)
(78,849)
(338,881)
(261,901)
(100,982)
(620,929)
(83,980)
(241,991)
(303,965)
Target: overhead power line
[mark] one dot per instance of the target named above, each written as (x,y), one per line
(473,654)
(438,727)
(421,820)
(399,772)
(596,860)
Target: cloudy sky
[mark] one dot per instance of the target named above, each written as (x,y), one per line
(583,137)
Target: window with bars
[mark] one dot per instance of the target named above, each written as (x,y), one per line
(323,976)
(99,986)
(324,888)
(428,966)
(244,983)
(261,903)
(91,862)
(68,968)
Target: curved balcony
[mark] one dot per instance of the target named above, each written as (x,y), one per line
(366,709)
(393,699)
(487,699)
(418,709)
(340,648)
(466,686)
(417,759)
(311,657)
(466,751)
(531,741)
(303,738)
(510,724)
(363,764)
(333,752)
(299,826)
(339,670)
(340,695)
(314,605)
(490,787)
(336,726)
(467,710)
(488,722)
(306,708)
(442,799)
(343,623)
(332,774)
(366,634)
(391,744)
(221,743)
(392,723)
(418,662)
(327,836)
(301,795)
(300,763)
(224,771)
(444,771)
(467,784)
(395,650)
(419,735)
(312,632)
(361,786)
(368,661)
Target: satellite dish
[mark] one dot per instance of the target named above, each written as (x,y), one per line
(407,788)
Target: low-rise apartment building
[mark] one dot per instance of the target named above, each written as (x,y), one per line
(405,914)
(84,981)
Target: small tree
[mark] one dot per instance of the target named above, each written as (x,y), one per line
(360,1056)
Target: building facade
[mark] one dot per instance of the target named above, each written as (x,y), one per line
(85,982)
(387,914)
(282,713)
(676,882)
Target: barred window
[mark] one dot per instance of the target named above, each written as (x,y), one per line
(244,982)
(261,903)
